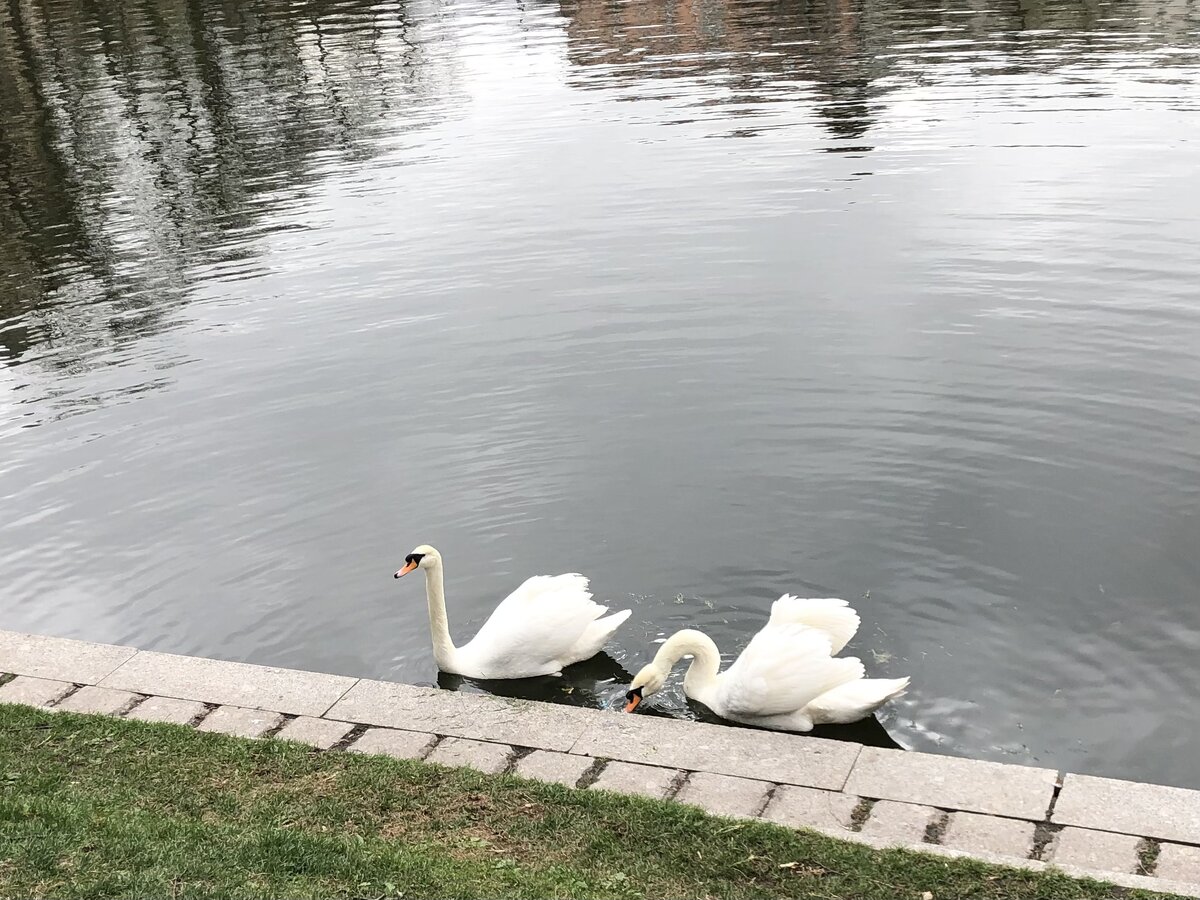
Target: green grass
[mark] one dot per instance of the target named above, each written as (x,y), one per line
(95,807)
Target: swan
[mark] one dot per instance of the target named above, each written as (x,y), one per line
(545,625)
(786,679)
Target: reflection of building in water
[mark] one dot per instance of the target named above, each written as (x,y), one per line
(844,56)
(137,145)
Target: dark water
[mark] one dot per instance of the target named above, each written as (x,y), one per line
(708,300)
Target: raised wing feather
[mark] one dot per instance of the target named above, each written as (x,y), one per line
(783,668)
(830,615)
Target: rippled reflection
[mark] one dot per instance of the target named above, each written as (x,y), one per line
(708,300)
(148,150)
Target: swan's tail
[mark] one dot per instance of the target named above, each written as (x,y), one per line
(854,700)
(596,635)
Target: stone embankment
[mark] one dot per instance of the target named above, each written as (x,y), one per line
(1137,835)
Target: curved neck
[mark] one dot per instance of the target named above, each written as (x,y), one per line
(706,659)
(439,625)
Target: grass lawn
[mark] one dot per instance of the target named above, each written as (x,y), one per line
(100,808)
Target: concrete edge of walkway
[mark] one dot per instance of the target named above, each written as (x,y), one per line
(1127,833)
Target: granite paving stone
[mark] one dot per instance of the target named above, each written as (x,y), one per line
(724,795)
(701,747)
(59,659)
(1019,792)
(240,721)
(31,691)
(319,733)
(230,683)
(1147,810)
(397,744)
(1178,863)
(524,723)
(803,781)
(166,709)
(98,700)
(897,824)
(977,833)
(633,778)
(489,758)
(1104,851)
(547,765)
(829,812)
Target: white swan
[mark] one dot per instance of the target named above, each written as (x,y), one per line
(546,624)
(786,679)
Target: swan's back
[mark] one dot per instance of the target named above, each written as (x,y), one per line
(783,668)
(788,676)
(548,622)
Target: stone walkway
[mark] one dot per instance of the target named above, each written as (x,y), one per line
(1137,835)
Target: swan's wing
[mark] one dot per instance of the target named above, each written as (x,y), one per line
(782,669)
(836,618)
(540,621)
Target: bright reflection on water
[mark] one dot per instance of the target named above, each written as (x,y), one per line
(709,300)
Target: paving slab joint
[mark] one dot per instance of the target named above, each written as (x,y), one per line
(326,710)
(1058,786)
(201,716)
(73,689)
(676,785)
(766,801)
(138,700)
(351,736)
(1147,856)
(431,746)
(592,775)
(1044,834)
(515,756)
(841,788)
(285,719)
(861,812)
(5,678)
(936,829)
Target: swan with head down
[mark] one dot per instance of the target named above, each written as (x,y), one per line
(545,625)
(788,678)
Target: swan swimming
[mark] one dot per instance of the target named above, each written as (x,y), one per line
(545,625)
(787,678)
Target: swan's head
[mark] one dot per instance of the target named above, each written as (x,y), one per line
(648,681)
(423,557)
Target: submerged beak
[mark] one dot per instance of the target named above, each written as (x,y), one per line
(633,698)
(408,567)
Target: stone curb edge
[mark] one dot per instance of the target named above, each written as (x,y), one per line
(996,812)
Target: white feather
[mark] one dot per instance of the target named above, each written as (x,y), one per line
(782,669)
(546,624)
(788,678)
(828,614)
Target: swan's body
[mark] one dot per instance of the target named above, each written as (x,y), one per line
(545,625)
(786,679)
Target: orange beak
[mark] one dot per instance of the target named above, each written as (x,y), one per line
(633,703)
(408,567)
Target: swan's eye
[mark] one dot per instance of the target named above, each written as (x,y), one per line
(414,558)
(636,692)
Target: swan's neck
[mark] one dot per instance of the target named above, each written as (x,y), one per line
(439,625)
(706,660)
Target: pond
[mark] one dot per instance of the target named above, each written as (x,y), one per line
(709,300)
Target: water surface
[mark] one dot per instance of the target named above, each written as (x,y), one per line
(707,300)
